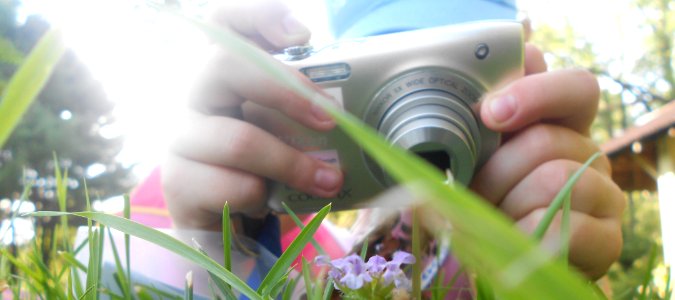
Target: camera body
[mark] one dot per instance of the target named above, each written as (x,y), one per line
(420,89)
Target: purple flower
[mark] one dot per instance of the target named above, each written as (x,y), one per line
(393,272)
(349,271)
(322,260)
(352,273)
(376,264)
(401,257)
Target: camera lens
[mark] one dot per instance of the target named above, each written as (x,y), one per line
(440,159)
(434,122)
(429,112)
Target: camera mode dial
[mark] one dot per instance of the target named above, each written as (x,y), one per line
(298,52)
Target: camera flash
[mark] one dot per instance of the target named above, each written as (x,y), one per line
(327,72)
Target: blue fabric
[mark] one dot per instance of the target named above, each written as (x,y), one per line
(359,18)
(270,235)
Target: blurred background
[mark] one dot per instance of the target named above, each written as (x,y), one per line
(113,103)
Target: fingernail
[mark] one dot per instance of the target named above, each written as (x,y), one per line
(294,27)
(320,114)
(327,179)
(502,108)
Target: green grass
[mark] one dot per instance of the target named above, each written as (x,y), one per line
(508,263)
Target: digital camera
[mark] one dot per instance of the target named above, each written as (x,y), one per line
(419,89)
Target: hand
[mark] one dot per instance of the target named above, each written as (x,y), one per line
(220,157)
(546,119)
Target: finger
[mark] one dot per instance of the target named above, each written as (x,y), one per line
(267,22)
(236,144)
(522,154)
(534,60)
(197,192)
(594,243)
(594,194)
(223,88)
(568,98)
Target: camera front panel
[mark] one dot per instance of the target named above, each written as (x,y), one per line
(371,77)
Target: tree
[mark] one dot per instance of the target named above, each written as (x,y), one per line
(657,63)
(647,86)
(65,120)
(625,96)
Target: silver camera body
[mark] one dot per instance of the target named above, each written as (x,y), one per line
(420,89)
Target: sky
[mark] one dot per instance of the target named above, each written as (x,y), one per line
(146,62)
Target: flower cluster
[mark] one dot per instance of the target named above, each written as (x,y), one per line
(351,274)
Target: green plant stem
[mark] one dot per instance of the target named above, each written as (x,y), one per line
(417,253)
(227,246)
(127,244)
(189,293)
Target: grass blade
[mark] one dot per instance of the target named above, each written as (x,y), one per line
(300,225)
(224,288)
(557,202)
(123,281)
(9,54)
(276,289)
(364,249)
(28,81)
(25,269)
(483,289)
(189,293)
(565,229)
(166,241)
(286,259)
(95,262)
(143,289)
(24,197)
(87,293)
(62,197)
(127,244)
(289,289)
(71,296)
(307,278)
(227,244)
(50,280)
(647,278)
(73,262)
(328,289)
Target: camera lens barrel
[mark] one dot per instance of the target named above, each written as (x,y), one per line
(429,112)
(426,122)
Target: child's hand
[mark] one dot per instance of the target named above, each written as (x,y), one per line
(221,157)
(546,119)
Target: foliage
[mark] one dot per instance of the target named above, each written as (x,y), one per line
(657,63)
(626,95)
(624,98)
(68,117)
(641,227)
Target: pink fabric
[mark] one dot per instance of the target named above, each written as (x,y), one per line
(148,207)
(323,236)
(147,202)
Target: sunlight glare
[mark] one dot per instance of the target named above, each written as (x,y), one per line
(144,60)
